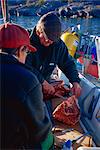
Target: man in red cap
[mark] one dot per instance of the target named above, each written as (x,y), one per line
(24,121)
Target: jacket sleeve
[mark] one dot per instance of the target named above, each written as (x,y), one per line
(29,64)
(67,65)
(38,122)
(29,60)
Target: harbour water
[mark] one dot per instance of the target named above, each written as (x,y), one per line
(91,25)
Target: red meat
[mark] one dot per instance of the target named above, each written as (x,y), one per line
(67,112)
(60,90)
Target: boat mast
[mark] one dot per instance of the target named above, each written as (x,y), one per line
(97,42)
(7,13)
(27,2)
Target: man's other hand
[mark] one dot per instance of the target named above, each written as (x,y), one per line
(76,89)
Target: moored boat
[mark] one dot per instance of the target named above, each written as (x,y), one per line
(89,103)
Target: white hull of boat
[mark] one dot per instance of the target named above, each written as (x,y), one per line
(89,103)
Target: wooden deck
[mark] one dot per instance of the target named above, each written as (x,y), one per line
(61,136)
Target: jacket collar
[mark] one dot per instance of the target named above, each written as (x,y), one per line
(7,58)
(34,38)
(10,59)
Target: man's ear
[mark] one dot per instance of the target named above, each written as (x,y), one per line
(20,49)
(37,32)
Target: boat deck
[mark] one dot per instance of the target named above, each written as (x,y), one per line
(62,133)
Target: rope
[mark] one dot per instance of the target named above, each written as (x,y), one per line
(3,5)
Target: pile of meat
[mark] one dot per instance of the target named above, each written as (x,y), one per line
(60,90)
(67,112)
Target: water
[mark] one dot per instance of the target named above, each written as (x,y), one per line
(91,26)
(87,25)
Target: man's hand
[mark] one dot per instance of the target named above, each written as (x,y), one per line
(76,89)
(48,88)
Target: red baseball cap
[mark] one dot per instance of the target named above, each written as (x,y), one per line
(14,36)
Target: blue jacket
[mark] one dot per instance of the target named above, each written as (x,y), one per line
(45,59)
(23,112)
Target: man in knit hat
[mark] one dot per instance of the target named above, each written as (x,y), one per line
(24,121)
(51,51)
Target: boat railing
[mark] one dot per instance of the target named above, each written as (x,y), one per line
(89,48)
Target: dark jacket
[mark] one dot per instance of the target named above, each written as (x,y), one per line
(45,60)
(23,113)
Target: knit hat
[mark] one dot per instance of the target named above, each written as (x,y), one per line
(51,25)
(14,36)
